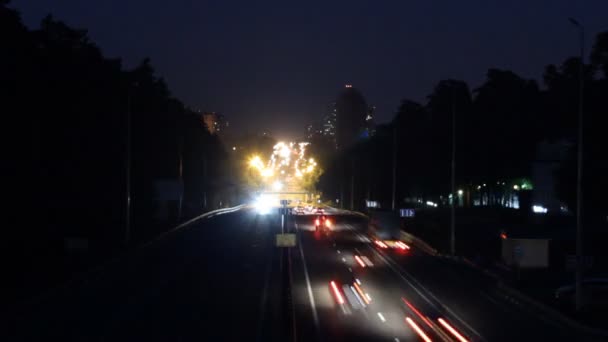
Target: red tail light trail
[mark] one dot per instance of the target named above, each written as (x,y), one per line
(409,305)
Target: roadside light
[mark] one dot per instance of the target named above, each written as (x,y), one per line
(515,187)
(277,186)
(460,192)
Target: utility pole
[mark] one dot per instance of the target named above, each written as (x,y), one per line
(127,236)
(352,185)
(205,180)
(394,166)
(453,181)
(579,173)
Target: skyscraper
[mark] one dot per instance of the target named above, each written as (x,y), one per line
(351,114)
(329,124)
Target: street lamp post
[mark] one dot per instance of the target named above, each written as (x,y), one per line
(453,183)
(394,193)
(127,236)
(579,173)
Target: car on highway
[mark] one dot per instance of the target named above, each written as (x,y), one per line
(299,210)
(322,222)
(319,211)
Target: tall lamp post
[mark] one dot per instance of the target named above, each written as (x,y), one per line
(579,172)
(453,183)
(128,170)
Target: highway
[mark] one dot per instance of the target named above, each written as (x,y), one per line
(222,278)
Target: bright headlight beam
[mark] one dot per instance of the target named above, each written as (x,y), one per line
(359,261)
(417,330)
(365,296)
(337,293)
(357,296)
(452,330)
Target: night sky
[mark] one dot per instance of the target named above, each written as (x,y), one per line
(276,65)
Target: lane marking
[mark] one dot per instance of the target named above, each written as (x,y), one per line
(315,316)
(381,317)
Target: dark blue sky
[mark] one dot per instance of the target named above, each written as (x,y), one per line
(275,65)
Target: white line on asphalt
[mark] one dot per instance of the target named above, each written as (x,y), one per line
(315,316)
(344,260)
(381,317)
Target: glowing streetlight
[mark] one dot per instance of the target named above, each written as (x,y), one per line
(277,186)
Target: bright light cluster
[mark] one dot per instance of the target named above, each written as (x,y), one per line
(286,161)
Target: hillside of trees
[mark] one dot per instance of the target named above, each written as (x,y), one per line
(66,110)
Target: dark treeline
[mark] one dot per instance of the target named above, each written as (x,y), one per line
(499,126)
(65,111)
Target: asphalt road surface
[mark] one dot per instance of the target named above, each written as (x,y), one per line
(222,278)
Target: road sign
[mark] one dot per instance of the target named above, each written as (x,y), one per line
(518,253)
(286,240)
(407,212)
(586,262)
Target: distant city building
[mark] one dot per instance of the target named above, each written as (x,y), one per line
(314,131)
(215,122)
(351,114)
(329,124)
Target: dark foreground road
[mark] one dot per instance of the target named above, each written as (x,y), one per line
(222,279)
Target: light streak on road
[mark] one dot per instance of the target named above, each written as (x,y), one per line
(358,281)
(417,329)
(367,261)
(452,330)
(402,245)
(357,296)
(337,293)
(417,313)
(380,244)
(363,295)
(381,317)
(359,261)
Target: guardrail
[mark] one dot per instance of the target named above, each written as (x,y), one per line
(192,220)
